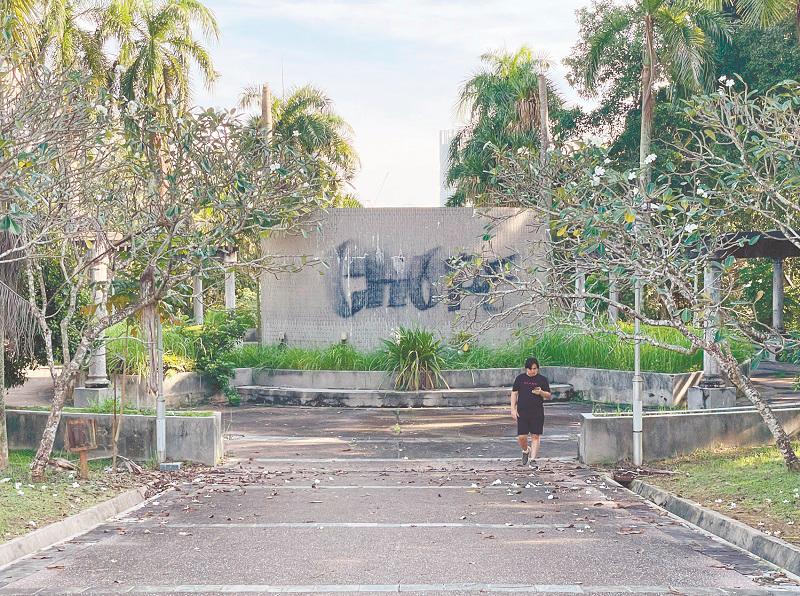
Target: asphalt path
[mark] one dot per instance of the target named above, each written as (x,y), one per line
(422,501)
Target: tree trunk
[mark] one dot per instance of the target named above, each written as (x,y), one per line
(648,103)
(3,431)
(149,319)
(544,138)
(60,390)
(797,22)
(731,367)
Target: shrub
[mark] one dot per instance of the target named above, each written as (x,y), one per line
(222,332)
(415,356)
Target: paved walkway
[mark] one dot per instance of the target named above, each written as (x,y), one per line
(325,501)
(775,381)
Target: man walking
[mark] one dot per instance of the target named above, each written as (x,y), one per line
(527,408)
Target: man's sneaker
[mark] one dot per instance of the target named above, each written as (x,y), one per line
(532,464)
(525,457)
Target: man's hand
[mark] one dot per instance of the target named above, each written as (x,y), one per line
(514,414)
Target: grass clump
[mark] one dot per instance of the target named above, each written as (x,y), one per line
(748,484)
(415,357)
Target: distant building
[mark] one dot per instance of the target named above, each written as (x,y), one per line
(445,138)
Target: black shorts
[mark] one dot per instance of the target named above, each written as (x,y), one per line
(530,423)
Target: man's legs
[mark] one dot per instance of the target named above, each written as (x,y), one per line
(523,442)
(534,445)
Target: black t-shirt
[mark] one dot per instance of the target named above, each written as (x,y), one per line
(524,386)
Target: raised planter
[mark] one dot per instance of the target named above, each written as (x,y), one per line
(593,384)
(608,439)
(189,438)
(183,389)
(385,398)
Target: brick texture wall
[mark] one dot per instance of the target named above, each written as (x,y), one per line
(384,270)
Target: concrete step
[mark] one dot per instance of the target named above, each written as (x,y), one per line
(364,398)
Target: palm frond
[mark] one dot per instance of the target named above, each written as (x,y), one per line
(765,13)
(612,26)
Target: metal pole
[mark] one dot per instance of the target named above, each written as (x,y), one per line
(637,377)
(161,407)
(263,277)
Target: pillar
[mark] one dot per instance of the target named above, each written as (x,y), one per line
(229,260)
(198,307)
(712,282)
(712,391)
(777,300)
(580,290)
(98,273)
(613,296)
(263,281)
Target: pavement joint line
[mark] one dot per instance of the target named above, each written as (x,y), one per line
(401,588)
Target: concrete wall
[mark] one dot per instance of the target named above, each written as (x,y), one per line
(616,386)
(385,269)
(608,439)
(593,384)
(189,438)
(180,390)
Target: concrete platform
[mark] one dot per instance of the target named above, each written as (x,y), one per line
(380,398)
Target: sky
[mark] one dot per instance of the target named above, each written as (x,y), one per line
(392,67)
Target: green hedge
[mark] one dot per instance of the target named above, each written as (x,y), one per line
(560,347)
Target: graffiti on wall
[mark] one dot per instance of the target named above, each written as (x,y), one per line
(399,281)
(392,282)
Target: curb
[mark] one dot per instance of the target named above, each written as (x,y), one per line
(71,526)
(771,549)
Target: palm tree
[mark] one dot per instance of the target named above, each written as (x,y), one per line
(65,43)
(17,324)
(306,118)
(679,43)
(506,103)
(158,46)
(19,21)
(763,13)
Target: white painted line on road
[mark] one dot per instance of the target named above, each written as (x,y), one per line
(400,439)
(265,487)
(425,588)
(432,460)
(358,525)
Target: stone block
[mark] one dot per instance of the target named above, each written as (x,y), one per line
(710,398)
(86,397)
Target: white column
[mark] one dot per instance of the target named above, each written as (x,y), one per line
(580,289)
(98,272)
(263,281)
(613,296)
(777,301)
(712,282)
(229,260)
(197,300)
